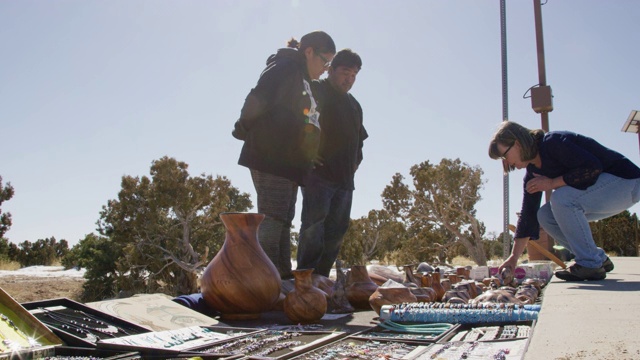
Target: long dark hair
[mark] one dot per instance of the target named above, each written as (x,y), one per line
(320,41)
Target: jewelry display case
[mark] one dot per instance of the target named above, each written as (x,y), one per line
(177,342)
(491,332)
(79,325)
(476,350)
(76,353)
(353,348)
(274,344)
(426,337)
(21,334)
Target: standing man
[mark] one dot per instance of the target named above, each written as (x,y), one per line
(328,190)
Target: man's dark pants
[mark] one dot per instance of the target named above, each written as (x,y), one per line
(326,212)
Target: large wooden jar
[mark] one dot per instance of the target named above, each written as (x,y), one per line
(389,296)
(360,287)
(305,303)
(241,281)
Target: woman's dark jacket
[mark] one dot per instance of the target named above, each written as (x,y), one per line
(279,119)
(579,160)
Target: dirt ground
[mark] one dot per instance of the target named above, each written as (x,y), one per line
(30,288)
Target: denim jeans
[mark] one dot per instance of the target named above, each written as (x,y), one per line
(567,215)
(277,201)
(326,212)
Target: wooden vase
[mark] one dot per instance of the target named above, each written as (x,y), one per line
(338,302)
(389,296)
(426,280)
(437,285)
(305,303)
(409,276)
(360,287)
(241,281)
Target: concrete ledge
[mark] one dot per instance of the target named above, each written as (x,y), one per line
(591,319)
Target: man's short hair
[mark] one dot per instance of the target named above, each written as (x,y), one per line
(347,58)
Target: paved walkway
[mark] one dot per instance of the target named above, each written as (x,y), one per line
(590,319)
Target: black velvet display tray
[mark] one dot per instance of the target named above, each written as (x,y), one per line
(481,329)
(64,307)
(174,343)
(353,348)
(380,333)
(309,340)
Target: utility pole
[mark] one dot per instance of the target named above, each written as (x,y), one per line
(541,98)
(506,239)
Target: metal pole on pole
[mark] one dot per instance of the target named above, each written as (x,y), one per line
(506,239)
(542,99)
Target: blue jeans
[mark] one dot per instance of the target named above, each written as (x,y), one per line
(566,216)
(326,212)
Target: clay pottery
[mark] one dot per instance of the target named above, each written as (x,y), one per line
(453,278)
(456,296)
(338,302)
(423,294)
(446,284)
(469,287)
(380,274)
(305,303)
(241,281)
(409,276)
(389,296)
(437,285)
(426,280)
(492,282)
(462,272)
(359,287)
(323,283)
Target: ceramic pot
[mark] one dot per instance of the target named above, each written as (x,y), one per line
(241,281)
(389,296)
(305,303)
(359,287)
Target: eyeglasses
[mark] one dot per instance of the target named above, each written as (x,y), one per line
(504,156)
(327,62)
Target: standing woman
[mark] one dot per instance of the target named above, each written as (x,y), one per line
(589,181)
(280,129)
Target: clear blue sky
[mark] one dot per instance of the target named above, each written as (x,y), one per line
(94,90)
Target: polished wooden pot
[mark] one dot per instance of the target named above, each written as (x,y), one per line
(241,281)
(305,303)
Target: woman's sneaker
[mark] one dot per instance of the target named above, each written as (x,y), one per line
(577,272)
(607,265)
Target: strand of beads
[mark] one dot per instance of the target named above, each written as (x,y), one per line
(64,327)
(75,324)
(432,329)
(501,354)
(279,346)
(458,314)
